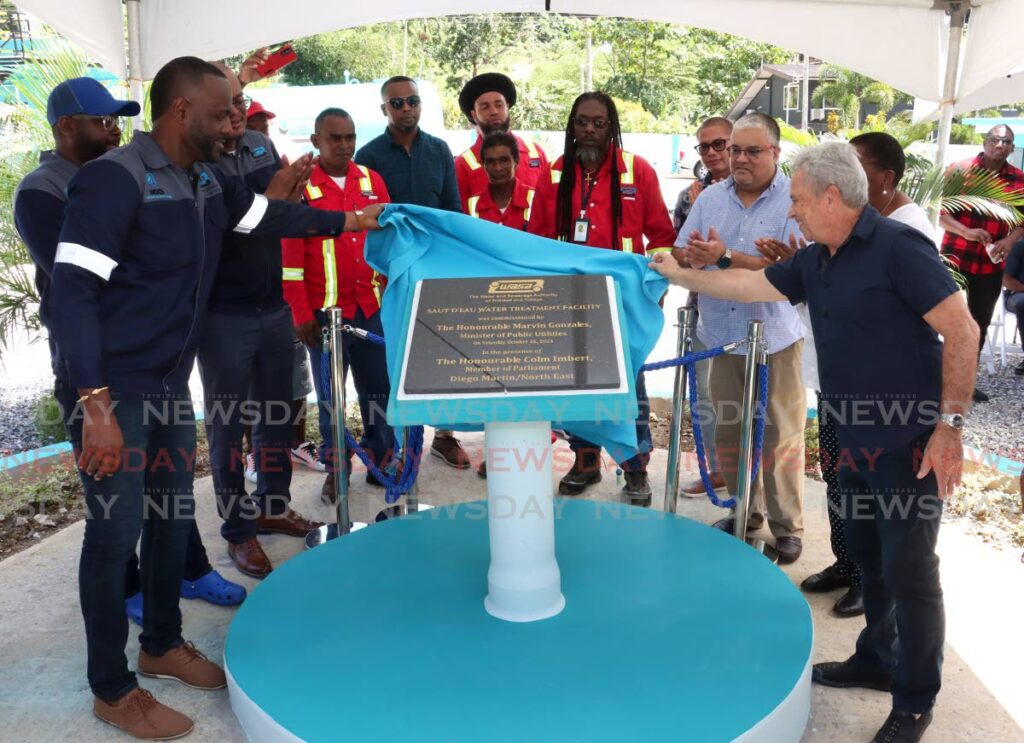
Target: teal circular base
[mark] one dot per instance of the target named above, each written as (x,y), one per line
(671,631)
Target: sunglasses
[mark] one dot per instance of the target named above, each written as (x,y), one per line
(241,102)
(1001,140)
(107,122)
(718,145)
(398,103)
(583,122)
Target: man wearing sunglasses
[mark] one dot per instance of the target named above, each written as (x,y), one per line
(486,101)
(721,232)
(417,168)
(978,243)
(713,139)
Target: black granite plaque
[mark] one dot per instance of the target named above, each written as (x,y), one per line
(533,334)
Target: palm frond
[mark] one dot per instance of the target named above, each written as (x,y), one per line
(974,189)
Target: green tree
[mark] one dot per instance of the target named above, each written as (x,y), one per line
(368,53)
(848,90)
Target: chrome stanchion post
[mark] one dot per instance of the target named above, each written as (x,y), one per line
(686,320)
(755,355)
(343,525)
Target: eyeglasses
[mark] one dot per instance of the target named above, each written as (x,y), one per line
(717,145)
(241,102)
(1001,140)
(752,152)
(398,103)
(107,122)
(583,122)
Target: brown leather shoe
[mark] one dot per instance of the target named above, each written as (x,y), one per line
(185,664)
(250,558)
(695,488)
(289,523)
(139,714)
(450,452)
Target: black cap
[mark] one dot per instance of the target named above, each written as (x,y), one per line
(486,83)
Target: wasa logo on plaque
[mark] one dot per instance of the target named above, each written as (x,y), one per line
(510,286)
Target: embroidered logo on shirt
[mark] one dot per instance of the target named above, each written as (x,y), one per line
(628,192)
(261,150)
(153,190)
(534,162)
(204,179)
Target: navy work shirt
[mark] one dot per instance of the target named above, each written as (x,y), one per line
(39,203)
(249,276)
(136,259)
(880,363)
(425,175)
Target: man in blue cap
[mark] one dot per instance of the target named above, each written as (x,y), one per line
(85,119)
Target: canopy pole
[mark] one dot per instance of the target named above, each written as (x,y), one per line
(135,60)
(957,14)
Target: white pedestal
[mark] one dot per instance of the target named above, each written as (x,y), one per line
(523,582)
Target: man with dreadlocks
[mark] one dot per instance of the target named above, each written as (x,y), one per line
(602,196)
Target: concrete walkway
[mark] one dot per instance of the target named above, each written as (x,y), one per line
(44,695)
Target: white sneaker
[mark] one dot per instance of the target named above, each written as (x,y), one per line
(250,467)
(306,455)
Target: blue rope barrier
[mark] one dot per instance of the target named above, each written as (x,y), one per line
(688,359)
(698,437)
(395,484)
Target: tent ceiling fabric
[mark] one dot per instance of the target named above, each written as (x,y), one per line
(901,42)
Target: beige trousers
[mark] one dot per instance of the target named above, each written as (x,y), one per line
(779,488)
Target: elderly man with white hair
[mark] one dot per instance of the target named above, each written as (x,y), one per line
(879,298)
(723,230)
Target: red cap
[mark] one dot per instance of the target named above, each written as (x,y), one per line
(257,108)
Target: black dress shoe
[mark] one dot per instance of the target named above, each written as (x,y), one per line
(851,604)
(903,727)
(754,522)
(827,580)
(1019,369)
(846,675)
(979,396)
(789,549)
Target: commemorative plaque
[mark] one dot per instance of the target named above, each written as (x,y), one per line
(513,336)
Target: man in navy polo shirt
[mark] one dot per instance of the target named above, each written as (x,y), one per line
(417,168)
(142,237)
(879,297)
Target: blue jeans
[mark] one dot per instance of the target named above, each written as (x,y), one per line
(150,495)
(638,461)
(891,521)
(369,368)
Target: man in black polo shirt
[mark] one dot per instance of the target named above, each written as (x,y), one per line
(879,297)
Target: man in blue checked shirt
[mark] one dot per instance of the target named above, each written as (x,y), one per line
(722,231)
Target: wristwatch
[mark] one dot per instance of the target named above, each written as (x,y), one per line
(954,420)
(726,260)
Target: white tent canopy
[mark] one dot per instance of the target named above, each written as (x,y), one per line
(904,43)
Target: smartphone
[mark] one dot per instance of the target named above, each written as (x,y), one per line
(283,55)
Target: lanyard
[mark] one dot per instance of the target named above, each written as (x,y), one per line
(586,196)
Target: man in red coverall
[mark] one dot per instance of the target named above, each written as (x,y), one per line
(486,100)
(320,273)
(603,196)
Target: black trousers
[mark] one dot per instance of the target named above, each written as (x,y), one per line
(982,294)
(892,520)
(197,564)
(245,362)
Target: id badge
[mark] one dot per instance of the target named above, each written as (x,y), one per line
(581,230)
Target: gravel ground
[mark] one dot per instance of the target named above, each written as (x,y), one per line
(17,415)
(998,425)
